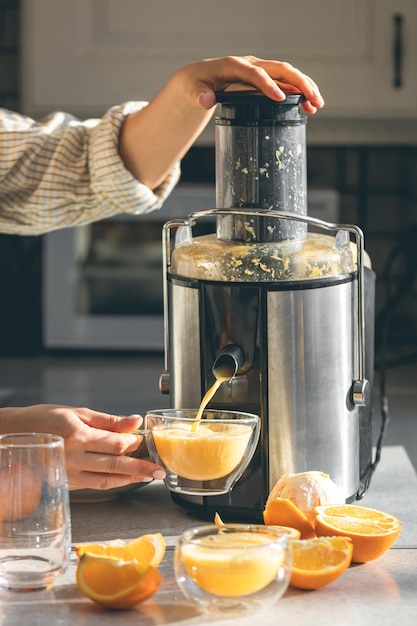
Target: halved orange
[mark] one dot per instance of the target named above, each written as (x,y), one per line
(319,561)
(372,532)
(283,512)
(148,548)
(114,583)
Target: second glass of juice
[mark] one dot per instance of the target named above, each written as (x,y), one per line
(233,568)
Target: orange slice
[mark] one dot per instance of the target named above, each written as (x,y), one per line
(115,583)
(148,548)
(318,562)
(283,512)
(372,532)
(293,533)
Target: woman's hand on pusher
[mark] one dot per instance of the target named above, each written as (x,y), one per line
(153,139)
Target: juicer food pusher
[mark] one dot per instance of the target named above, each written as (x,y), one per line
(298,304)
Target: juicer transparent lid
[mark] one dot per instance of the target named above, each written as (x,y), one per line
(208,257)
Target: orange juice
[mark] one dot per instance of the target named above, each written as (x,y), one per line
(235,564)
(212,451)
(206,399)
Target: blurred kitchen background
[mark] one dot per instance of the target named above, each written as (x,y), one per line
(80,301)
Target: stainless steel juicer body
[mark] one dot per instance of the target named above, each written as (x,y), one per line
(292,300)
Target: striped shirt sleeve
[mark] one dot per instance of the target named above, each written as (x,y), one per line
(61,172)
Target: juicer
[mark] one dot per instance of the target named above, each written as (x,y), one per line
(286,301)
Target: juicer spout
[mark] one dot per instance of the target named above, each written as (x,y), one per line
(228,362)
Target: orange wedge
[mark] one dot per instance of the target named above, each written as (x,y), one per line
(114,583)
(283,512)
(148,548)
(318,562)
(218,520)
(372,532)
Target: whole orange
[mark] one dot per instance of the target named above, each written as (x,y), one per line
(20,492)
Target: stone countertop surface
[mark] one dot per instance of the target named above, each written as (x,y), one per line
(383,591)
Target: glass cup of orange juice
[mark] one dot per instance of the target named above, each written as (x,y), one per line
(234,568)
(201,456)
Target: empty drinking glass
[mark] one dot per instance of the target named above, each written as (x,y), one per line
(35,528)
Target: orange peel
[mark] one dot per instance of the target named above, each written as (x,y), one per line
(283,512)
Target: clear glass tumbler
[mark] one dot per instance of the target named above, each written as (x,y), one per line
(35,526)
(234,568)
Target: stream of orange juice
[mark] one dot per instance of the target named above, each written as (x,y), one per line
(206,399)
(235,564)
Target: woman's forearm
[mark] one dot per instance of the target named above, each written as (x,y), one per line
(153,139)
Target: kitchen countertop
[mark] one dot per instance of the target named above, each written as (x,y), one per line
(383,591)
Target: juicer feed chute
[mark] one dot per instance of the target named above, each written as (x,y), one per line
(260,163)
(290,293)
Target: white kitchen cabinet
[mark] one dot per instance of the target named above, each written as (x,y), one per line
(85,55)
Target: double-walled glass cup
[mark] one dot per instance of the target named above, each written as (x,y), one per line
(35,528)
(234,568)
(201,456)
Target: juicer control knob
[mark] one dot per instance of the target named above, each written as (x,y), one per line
(361,392)
(164,382)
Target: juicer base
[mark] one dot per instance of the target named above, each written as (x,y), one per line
(232,514)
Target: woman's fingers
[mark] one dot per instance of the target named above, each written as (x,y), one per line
(105,471)
(109,434)
(274,78)
(108,421)
(111,464)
